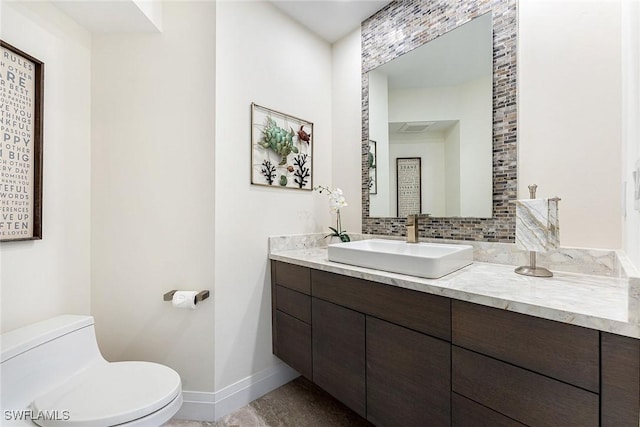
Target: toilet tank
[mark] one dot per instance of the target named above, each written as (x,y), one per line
(40,356)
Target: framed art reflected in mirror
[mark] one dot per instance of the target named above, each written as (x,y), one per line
(408,182)
(372,161)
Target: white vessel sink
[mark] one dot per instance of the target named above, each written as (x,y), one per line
(429,260)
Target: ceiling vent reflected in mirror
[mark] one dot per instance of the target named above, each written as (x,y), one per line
(415,127)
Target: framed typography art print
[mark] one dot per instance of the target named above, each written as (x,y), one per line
(21,107)
(409,177)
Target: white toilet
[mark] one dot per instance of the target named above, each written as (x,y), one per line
(52,374)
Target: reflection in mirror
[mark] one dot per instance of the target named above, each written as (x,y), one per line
(435,103)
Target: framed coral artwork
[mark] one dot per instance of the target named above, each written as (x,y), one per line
(281,150)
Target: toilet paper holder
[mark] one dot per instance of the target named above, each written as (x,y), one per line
(200,296)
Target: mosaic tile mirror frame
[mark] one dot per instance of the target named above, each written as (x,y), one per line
(423,21)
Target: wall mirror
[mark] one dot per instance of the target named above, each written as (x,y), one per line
(439,84)
(435,103)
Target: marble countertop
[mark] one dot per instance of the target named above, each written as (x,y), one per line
(597,302)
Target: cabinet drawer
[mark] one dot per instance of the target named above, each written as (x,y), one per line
(523,395)
(422,312)
(292,276)
(293,303)
(467,413)
(293,343)
(566,352)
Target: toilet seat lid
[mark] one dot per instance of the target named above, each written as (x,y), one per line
(108,394)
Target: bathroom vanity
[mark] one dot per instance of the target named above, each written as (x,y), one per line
(403,351)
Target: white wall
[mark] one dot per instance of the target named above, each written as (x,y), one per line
(476,192)
(380,204)
(569,136)
(153,191)
(631,124)
(346,126)
(452,169)
(262,56)
(44,278)
(152,10)
(470,104)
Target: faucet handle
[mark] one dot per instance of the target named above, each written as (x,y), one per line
(412,218)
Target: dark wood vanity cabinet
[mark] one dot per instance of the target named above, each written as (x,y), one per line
(405,358)
(382,351)
(535,371)
(542,372)
(407,379)
(291,316)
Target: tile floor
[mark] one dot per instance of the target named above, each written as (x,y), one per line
(297,404)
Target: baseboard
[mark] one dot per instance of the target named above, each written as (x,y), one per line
(202,406)
(197,406)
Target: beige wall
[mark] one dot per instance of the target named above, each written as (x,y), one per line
(569,138)
(44,278)
(262,56)
(153,191)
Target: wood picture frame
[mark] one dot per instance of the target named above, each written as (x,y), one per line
(21,155)
(281,149)
(409,185)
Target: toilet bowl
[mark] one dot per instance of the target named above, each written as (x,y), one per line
(52,374)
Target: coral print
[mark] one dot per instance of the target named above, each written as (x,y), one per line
(281,150)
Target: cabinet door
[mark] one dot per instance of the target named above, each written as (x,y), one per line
(620,381)
(408,377)
(293,343)
(339,353)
